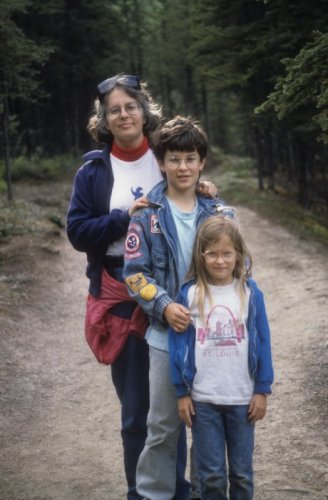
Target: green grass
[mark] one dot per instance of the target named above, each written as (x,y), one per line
(236,179)
(26,217)
(37,167)
(40,212)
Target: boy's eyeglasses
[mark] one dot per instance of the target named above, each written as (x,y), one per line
(212,257)
(191,162)
(107,85)
(132,108)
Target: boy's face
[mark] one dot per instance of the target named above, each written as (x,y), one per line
(182,169)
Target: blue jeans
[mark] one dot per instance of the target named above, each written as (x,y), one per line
(130,378)
(219,430)
(162,463)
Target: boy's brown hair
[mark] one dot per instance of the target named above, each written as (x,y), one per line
(180,134)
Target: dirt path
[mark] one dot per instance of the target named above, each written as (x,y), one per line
(60,418)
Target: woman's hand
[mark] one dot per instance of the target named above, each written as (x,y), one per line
(207,189)
(186,410)
(177,316)
(137,204)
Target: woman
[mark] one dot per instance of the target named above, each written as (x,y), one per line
(108,188)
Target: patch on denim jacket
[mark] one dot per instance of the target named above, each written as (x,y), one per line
(148,292)
(136,281)
(132,243)
(135,226)
(155,228)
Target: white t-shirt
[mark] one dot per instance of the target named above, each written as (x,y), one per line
(221,349)
(132,179)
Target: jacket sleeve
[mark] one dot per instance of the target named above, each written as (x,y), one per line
(181,353)
(178,353)
(264,373)
(138,271)
(87,230)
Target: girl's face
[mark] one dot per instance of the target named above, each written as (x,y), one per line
(220,260)
(125,119)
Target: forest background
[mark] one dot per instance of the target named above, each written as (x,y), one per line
(254,72)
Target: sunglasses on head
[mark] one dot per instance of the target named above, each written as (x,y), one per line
(107,85)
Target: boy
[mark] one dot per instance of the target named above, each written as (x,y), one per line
(157,256)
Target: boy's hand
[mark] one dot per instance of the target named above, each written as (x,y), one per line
(177,316)
(186,410)
(257,408)
(137,204)
(207,189)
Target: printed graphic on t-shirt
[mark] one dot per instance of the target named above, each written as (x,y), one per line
(222,348)
(222,331)
(137,193)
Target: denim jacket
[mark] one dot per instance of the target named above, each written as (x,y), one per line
(182,346)
(151,258)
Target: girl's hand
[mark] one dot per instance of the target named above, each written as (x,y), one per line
(207,189)
(186,410)
(257,408)
(177,316)
(137,204)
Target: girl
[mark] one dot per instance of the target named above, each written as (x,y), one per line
(221,365)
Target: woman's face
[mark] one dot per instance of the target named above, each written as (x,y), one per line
(125,119)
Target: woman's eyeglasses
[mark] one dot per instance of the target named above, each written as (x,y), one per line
(107,85)
(131,108)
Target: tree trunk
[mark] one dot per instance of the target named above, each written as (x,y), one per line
(138,42)
(270,160)
(324,184)
(259,158)
(302,171)
(6,148)
(76,127)
(291,159)
(205,120)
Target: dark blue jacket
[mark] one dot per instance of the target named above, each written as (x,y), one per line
(90,226)
(182,346)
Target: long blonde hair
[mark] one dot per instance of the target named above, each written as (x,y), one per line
(209,233)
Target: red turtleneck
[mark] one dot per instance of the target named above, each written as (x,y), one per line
(130,154)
